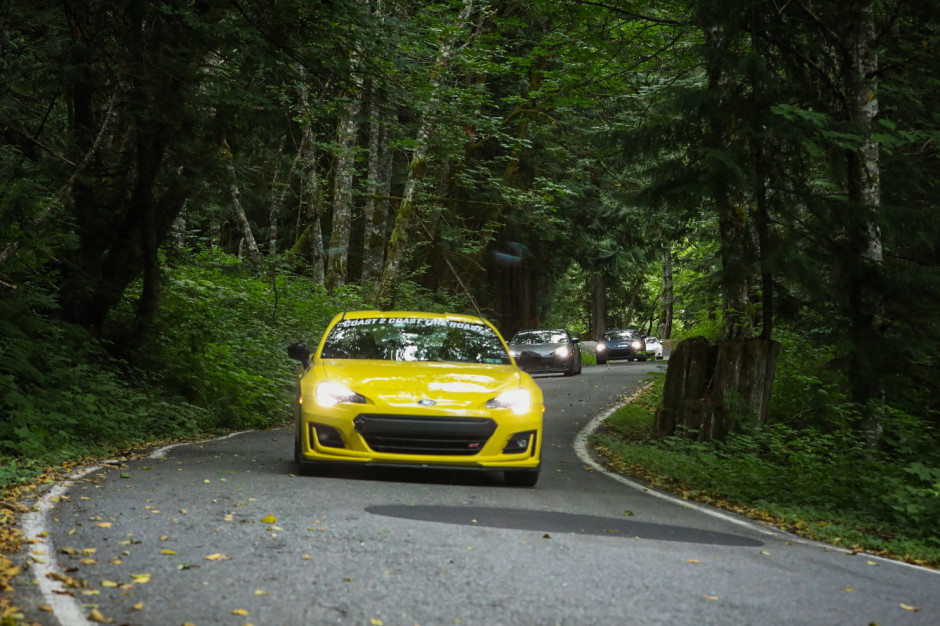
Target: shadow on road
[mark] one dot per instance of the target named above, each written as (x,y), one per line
(551,521)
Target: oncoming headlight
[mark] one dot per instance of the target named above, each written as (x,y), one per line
(562,352)
(636,344)
(518,400)
(330,394)
(600,347)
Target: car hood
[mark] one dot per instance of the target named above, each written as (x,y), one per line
(542,349)
(403,383)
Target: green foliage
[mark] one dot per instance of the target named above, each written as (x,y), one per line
(216,362)
(221,337)
(829,484)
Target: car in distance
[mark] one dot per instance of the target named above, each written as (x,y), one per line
(414,389)
(620,344)
(543,351)
(654,348)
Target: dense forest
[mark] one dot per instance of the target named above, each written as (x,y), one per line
(186,186)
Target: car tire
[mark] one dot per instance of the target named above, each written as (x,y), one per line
(601,360)
(521,478)
(573,367)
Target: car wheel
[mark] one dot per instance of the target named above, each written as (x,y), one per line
(572,367)
(601,360)
(641,358)
(521,478)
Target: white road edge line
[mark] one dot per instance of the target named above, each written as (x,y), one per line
(67,609)
(581,449)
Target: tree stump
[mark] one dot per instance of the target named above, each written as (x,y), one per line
(711,389)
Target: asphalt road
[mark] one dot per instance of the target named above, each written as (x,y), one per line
(223,533)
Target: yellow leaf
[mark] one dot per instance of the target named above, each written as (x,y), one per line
(848,589)
(709,597)
(693,561)
(104,524)
(376,622)
(260,592)
(108,583)
(218,556)
(141,579)
(139,606)
(169,552)
(908,607)
(269,519)
(96,616)
(239,612)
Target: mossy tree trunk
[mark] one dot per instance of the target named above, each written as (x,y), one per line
(713,388)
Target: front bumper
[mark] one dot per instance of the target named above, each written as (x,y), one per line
(484,442)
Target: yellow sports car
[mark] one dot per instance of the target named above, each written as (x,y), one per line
(403,388)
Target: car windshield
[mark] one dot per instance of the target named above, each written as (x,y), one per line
(414,339)
(621,334)
(532,337)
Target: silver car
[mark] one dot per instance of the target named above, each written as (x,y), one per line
(545,351)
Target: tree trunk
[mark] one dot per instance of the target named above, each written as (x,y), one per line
(864,178)
(598,305)
(277,204)
(338,255)
(736,254)
(310,200)
(712,389)
(310,190)
(400,241)
(378,186)
(665,325)
(254,254)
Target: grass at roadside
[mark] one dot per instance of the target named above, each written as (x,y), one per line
(821,487)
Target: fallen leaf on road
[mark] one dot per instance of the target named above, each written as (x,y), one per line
(218,556)
(269,519)
(239,612)
(709,597)
(908,607)
(96,616)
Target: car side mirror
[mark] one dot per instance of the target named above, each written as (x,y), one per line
(299,352)
(575,340)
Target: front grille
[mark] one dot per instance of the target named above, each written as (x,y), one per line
(443,436)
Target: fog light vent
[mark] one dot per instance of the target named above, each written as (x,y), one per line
(326,436)
(520,442)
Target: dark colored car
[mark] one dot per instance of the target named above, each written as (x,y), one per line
(624,343)
(543,351)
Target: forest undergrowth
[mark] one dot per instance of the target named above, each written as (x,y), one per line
(825,485)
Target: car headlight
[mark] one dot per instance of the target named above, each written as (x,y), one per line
(600,347)
(636,345)
(518,400)
(330,394)
(562,352)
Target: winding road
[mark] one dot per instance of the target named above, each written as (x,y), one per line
(223,533)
